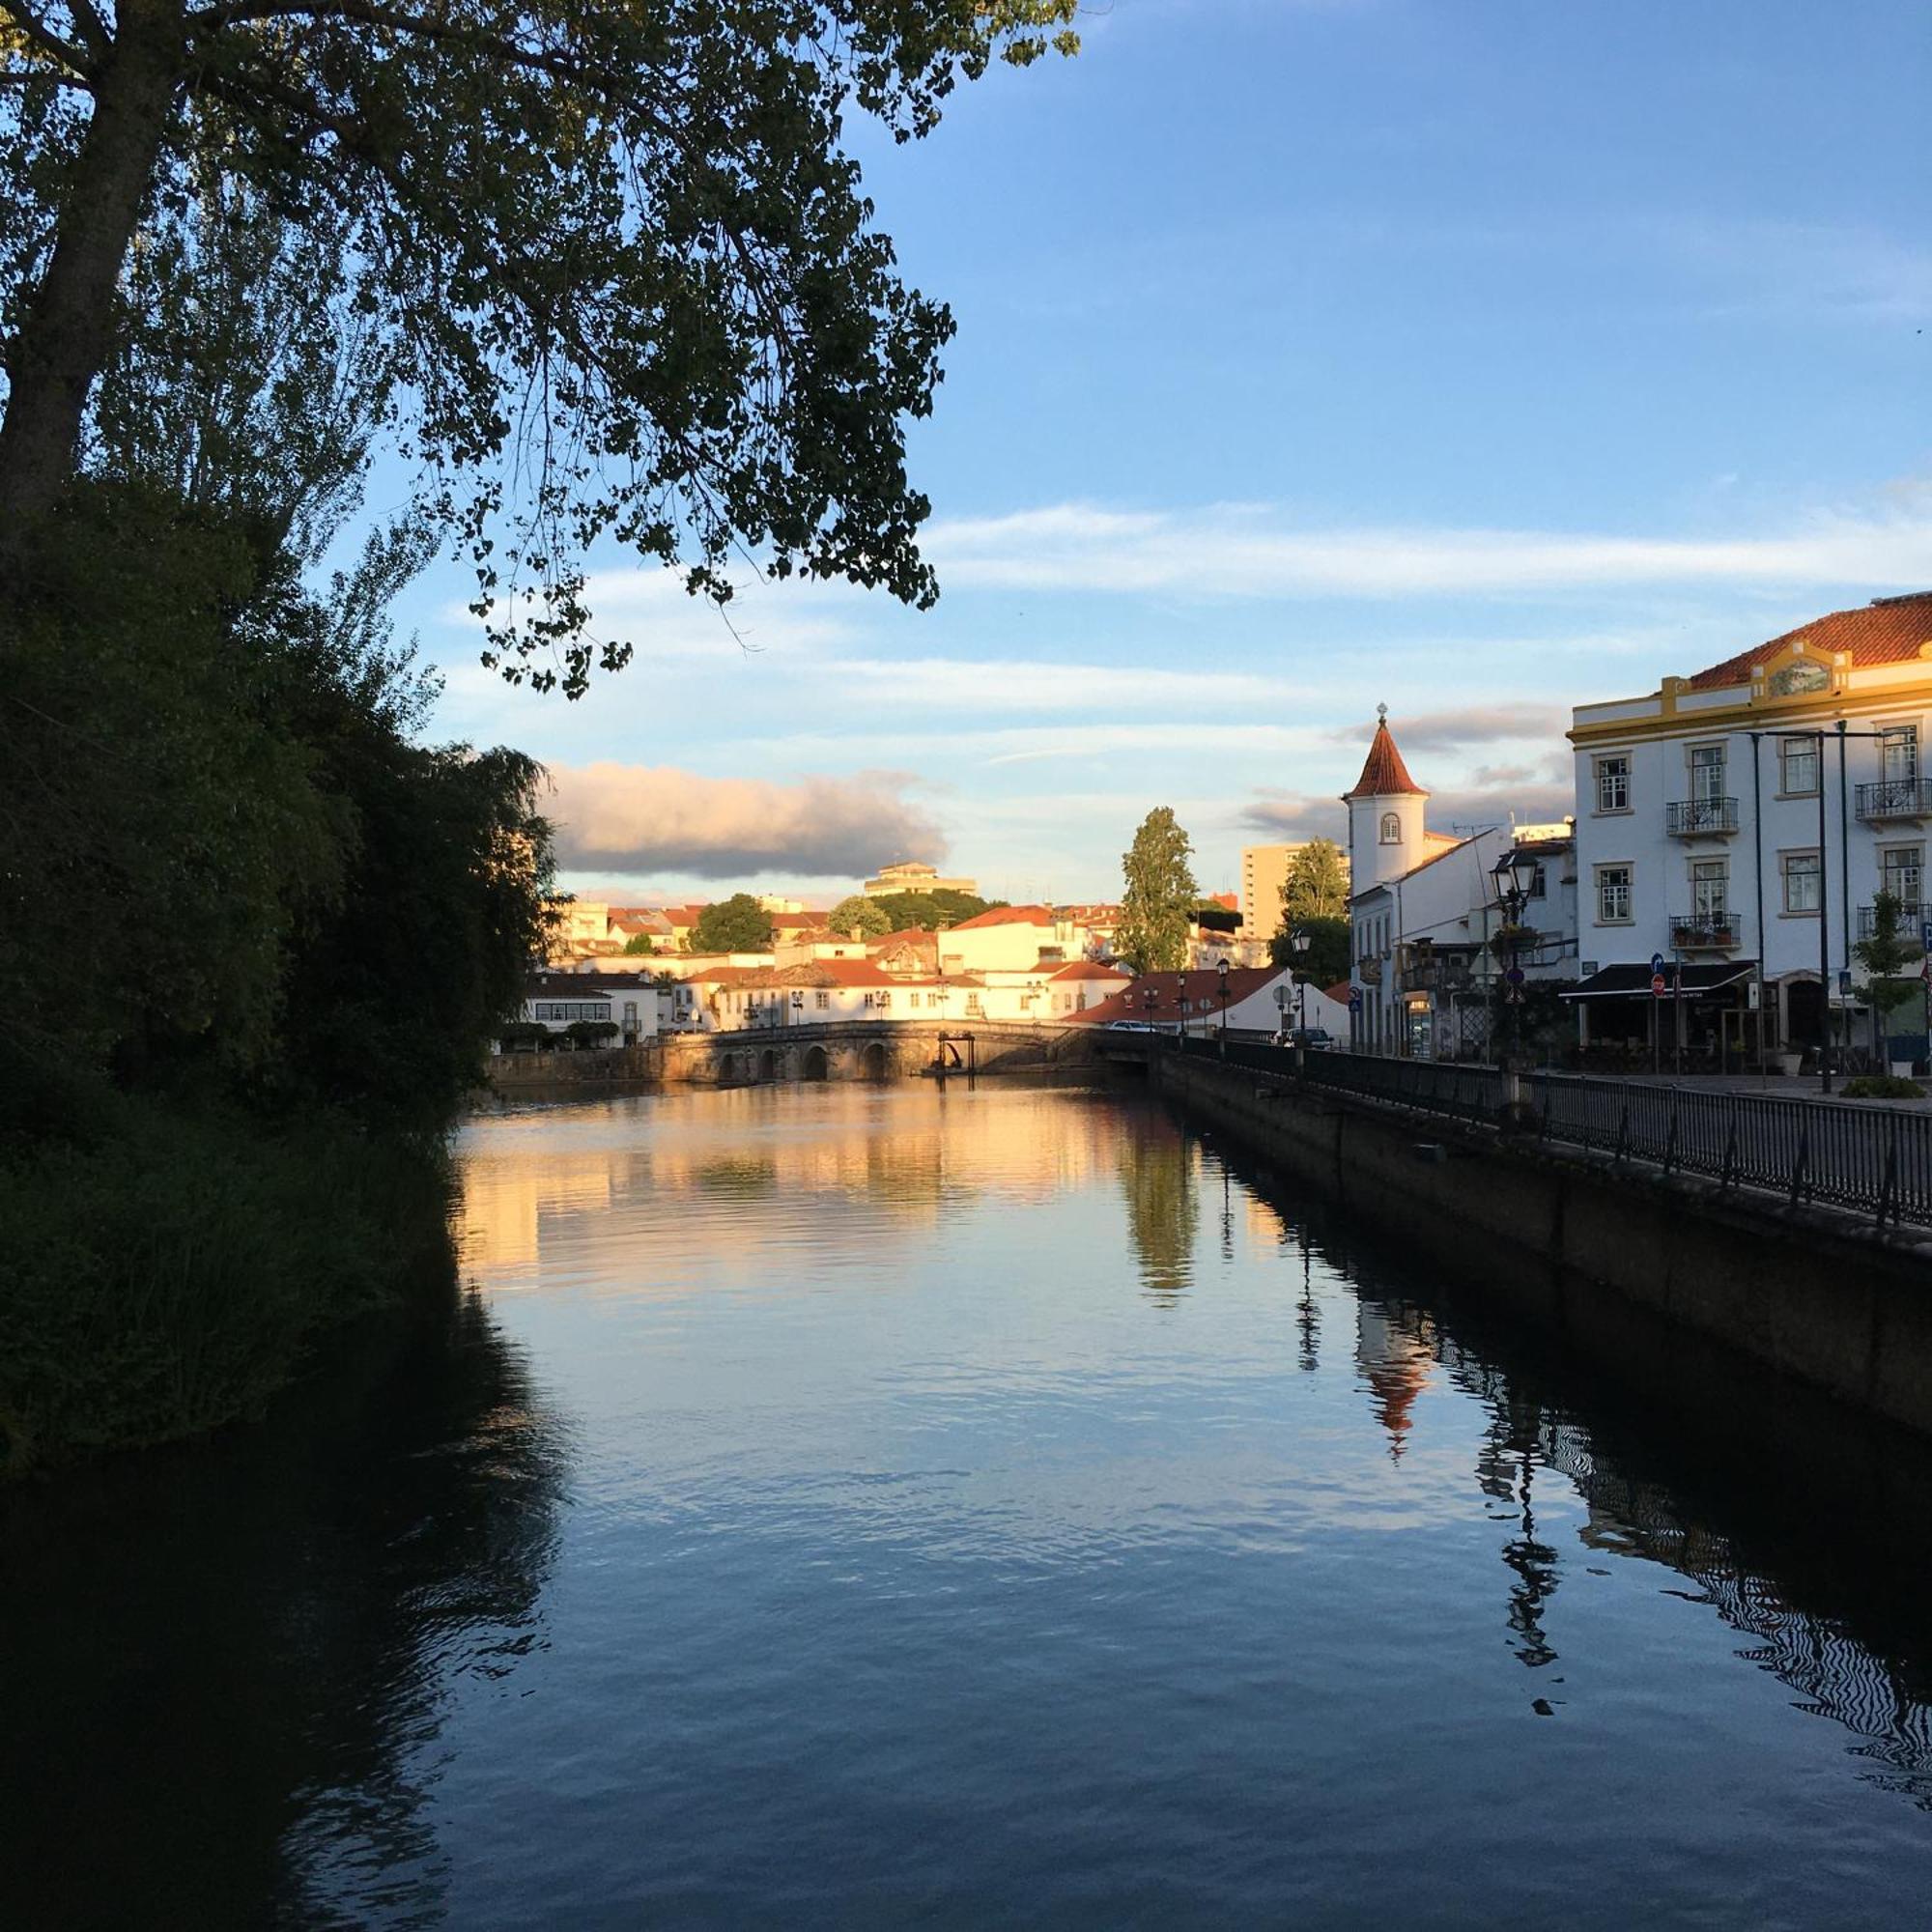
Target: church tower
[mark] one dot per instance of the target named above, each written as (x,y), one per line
(1385,835)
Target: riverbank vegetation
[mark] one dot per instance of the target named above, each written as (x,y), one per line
(606,279)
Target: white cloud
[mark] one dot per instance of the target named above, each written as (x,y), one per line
(641,819)
(1239,550)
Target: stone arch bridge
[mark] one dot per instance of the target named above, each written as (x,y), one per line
(866,1050)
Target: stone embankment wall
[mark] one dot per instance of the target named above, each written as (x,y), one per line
(1809,1293)
(596,1070)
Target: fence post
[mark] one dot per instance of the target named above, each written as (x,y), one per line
(1671,1137)
(1623,1131)
(1887,1193)
(1727,1180)
(1797,1166)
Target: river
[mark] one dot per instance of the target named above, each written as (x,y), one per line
(889,1506)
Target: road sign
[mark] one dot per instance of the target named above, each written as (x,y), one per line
(1354,999)
(1657,964)
(1511,996)
(1658,985)
(1514,976)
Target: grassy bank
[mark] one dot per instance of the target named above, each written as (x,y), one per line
(168,1271)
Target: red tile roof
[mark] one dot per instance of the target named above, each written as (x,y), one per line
(1384,775)
(1202,989)
(1026,915)
(1889,630)
(1089,969)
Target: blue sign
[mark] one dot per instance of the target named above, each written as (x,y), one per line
(1657,963)
(1354,999)
(1925,935)
(1514,976)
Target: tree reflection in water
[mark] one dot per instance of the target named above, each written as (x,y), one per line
(1156,1169)
(241,1737)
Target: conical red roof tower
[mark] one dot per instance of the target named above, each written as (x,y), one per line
(1383,774)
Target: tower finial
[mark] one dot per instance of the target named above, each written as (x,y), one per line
(1381,714)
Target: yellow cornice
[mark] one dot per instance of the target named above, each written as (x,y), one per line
(1764,714)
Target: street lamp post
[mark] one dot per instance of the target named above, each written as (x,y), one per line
(1223,972)
(1299,943)
(1516,879)
(1150,998)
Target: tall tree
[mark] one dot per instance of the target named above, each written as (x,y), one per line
(1157,907)
(1317,886)
(737,925)
(616,256)
(859,918)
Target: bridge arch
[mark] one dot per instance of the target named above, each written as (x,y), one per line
(812,1064)
(727,1068)
(873,1061)
(768,1065)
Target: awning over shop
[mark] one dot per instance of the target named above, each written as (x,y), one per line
(1629,982)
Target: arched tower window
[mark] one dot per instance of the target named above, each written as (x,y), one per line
(1391,828)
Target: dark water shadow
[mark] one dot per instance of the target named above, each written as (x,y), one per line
(223,1662)
(1799,1520)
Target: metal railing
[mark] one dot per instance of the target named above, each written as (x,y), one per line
(1911,916)
(1690,930)
(1871,1160)
(1895,798)
(1697,817)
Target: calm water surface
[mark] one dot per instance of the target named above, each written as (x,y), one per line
(881,1506)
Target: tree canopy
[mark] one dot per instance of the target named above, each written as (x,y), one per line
(1327,956)
(1157,906)
(928,910)
(859,918)
(610,270)
(640,942)
(1317,886)
(737,925)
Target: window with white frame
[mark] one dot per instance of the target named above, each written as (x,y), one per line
(821,1001)
(1797,766)
(1803,881)
(1614,895)
(1710,887)
(1391,828)
(1613,783)
(1900,868)
(1898,753)
(572,1010)
(1707,773)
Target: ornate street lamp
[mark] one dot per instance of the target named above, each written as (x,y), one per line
(1299,943)
(1516,874)
(1222,969)
(1150,998)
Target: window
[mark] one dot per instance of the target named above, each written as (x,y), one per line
(1800,881)
(1537,885)
(1391,828)
(1899,872)
(822,1001)
(1898,753)
(1614,895)
(1613,783)
(1798,763)
(1710,886)
(572,1010)
(1707,773)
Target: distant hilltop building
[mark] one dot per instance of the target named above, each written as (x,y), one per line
(915,878)
(1264,872)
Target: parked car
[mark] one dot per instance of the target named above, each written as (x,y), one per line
(1315,1039)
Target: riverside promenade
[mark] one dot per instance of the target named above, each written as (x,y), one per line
(1797,1234)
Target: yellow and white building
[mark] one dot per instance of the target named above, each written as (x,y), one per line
(1739,824)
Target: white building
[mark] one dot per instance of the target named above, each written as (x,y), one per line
(1740,823)
(635,1004)
(1428,970)
(1012,939)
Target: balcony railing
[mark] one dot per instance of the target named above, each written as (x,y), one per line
(1438,975)
(1704,931)
(1700,817)
(1895,798)
(1911,917)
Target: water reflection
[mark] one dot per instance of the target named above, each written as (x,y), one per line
(242,1655)
(1136,1546)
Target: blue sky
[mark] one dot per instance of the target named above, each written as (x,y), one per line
(1476,357)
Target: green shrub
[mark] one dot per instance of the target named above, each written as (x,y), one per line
(592,1033)
(1883,1086)
(168,1275)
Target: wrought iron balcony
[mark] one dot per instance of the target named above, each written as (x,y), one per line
(1704,931)
(1894,798)
(1701,818)
(1455,974)
(1911,917)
